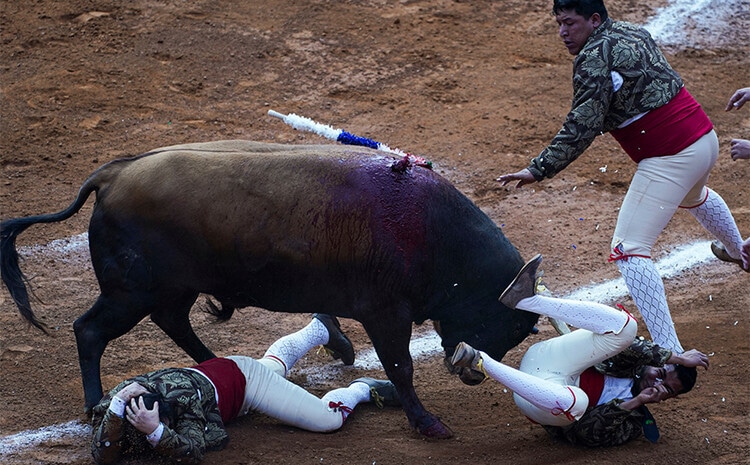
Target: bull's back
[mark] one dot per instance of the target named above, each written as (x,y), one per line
(292,227)
(322,204)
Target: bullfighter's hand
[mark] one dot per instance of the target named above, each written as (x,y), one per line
(131,391)
(692,358)
(143,419)
(739,149)
(523,177)
(738,99)
(654,394)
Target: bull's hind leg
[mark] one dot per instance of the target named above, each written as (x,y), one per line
(108,319)
(117,313)
(174,320)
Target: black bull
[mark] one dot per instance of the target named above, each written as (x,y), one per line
(325,228)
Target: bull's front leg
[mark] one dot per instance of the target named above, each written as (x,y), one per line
(391,342)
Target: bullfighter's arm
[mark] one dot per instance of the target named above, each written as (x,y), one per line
(185,441)
(641,352)
(107,431)
(592,92)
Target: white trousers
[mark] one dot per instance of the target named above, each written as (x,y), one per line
(560,361)
(660,186)
(267,391)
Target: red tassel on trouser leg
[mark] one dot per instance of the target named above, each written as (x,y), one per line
(345,399)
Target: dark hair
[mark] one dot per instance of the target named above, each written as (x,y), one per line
(165,409)
(687,376)
(134,443)
(585,8)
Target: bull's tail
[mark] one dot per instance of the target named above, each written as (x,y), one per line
(11,273)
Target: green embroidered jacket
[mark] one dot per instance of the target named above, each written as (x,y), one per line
(648,83)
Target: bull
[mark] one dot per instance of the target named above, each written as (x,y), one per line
(352,232)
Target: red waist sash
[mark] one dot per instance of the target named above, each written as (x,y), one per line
(592,383)
(229,382)
(666,130)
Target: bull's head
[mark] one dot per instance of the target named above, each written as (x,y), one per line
(494,331)
(467,375)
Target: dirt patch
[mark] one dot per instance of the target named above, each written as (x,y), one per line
(477,87)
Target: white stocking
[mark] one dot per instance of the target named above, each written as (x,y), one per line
(285,352)
(546,395)
(714,215)
(647,290)
(593,316)
(345,399)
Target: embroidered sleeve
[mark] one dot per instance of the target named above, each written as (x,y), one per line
(194,433)
(106,442)
(641,352)
(602,426)
(592,92)
(184,443)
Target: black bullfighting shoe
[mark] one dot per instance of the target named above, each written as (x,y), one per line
(721,253)
(381,392)
(523,285)
(465,356)
(339,346)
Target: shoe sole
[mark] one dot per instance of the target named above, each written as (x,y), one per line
(536,259)
(721,253)
(464,352)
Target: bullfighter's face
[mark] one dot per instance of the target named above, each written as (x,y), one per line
(575,29)
(663,378)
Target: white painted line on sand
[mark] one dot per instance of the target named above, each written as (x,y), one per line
(678,260)
(30,438)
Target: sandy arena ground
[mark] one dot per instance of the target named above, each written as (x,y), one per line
(478,87)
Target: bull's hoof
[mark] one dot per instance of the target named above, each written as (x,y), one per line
(436,430)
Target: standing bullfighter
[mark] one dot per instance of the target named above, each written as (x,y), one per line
(622,84)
